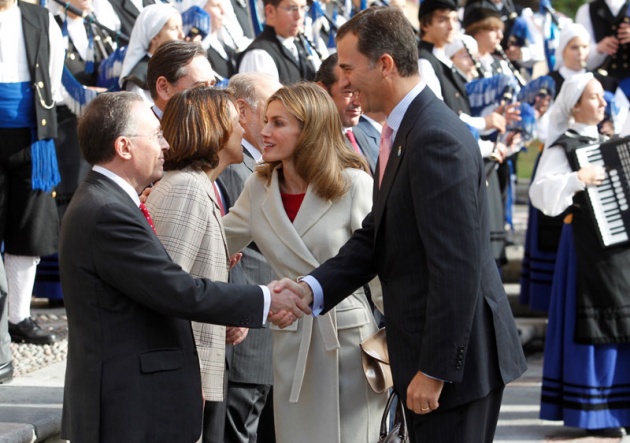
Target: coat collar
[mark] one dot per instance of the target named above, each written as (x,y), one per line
(313,208)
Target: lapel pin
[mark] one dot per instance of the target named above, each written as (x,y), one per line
(399,150)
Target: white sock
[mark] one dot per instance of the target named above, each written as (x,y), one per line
(20,279)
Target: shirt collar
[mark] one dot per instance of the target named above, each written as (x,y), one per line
(129,190)
(255,153)
(395,117)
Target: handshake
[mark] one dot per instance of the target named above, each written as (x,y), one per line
(289,301)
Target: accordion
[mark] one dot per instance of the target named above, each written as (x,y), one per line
(610,201)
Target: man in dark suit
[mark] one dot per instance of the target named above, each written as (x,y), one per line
(349,110)
(133,371)
(250,374)
(453,344)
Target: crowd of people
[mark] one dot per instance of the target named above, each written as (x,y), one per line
(310,176)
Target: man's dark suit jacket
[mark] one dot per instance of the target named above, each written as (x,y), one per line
(133,372)
(446,312)
(368,146)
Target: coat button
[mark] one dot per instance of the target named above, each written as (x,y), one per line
(614,66)
(41,85)
(37,65)
(44,122)
(457,94)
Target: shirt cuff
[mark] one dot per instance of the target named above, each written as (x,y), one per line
(318,294)
(266,302)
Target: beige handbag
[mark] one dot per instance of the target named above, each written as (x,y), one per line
(375,361)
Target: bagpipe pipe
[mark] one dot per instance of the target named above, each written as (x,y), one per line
(106,46)
(494,93)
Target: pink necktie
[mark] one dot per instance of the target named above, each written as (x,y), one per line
(217,194)
(384,149)
(145,212)
(353,141)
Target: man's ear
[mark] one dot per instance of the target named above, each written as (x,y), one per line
(123,147)
(387,64)
(270,12)
(163,88)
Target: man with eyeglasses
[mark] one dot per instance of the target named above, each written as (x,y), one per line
(133,371)
(281,49)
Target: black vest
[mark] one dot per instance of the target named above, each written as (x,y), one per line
(604,24)
(225,68)
(35,22)
(127,13)
(138,74)
(609,83)
(453,87)
(603,281)
(289,70)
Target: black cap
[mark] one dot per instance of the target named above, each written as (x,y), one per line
(428,6)
(479,10)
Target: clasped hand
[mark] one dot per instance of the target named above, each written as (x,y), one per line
(289,301)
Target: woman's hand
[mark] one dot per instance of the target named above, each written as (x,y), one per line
(592,175)
(234,335)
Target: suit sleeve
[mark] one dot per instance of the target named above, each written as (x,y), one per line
(130,258)
(445,178)
(353,266)
(237,222)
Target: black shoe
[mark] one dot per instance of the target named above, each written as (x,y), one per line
(28,331)
(607,432)
(6,372)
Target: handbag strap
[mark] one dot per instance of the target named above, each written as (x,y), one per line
(399,418)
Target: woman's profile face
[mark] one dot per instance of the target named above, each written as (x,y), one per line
(591,107)
(280,133)
(172,30)
(233,149)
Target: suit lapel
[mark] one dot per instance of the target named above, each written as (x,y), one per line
(248,160)
(289,233)
(398,151)
(366,148)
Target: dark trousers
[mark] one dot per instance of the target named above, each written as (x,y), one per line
(214,418)
(474,422)
(245,403)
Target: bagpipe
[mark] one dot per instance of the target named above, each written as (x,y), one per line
(104,44)
(551,32)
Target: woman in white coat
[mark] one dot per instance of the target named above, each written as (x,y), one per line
(300,207)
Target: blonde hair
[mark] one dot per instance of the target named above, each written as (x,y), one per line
(321,154)
(486,24)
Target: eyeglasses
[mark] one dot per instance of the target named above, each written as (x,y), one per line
(158,136)
(350,94)
(293,9)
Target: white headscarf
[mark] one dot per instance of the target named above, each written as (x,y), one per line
(560,112)
(568,33)
(148,24)
(458,43)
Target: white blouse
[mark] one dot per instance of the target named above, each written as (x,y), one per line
(555,183)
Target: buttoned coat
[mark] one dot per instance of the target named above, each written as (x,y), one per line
(132,373)
(187,219)
(320,391)
(427,238)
